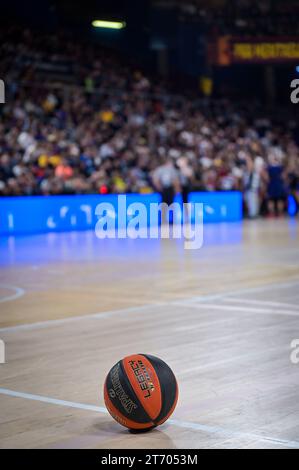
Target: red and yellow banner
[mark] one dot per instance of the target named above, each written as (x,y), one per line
(231,50)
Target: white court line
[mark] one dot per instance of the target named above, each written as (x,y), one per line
(261,303)
(249,290)
(234,308)
(182,302)
(232,320)
(230,360)
(231,433)
(175,422)
(52,401)
(203,325)
(62,321)
(19,292)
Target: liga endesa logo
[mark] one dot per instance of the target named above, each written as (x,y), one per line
(2,92)
(136,220)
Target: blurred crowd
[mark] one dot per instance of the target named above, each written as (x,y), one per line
(243,17)
(115,131)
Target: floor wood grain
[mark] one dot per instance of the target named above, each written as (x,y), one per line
(223,317)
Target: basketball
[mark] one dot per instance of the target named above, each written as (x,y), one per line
(140,392)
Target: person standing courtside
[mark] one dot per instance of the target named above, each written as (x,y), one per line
(166,181)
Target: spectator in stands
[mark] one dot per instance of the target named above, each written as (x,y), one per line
(121,133)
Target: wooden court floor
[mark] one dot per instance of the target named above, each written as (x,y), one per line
(223,317)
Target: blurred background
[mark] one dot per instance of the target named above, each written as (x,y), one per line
(200,86)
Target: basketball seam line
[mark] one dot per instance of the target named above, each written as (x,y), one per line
(128,383)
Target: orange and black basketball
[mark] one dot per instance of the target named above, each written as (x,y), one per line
(140,392)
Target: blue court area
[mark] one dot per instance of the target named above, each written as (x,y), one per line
(37,214)
(85,246)
(37,230)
